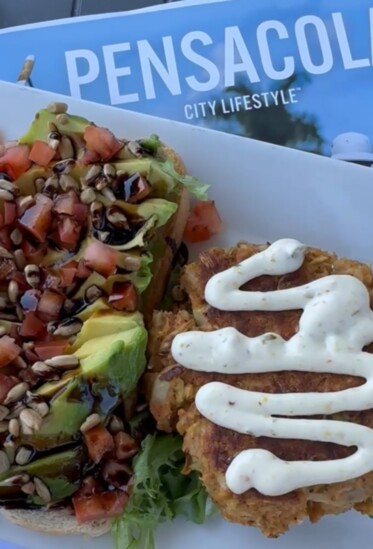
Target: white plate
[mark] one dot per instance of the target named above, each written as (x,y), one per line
(263,192)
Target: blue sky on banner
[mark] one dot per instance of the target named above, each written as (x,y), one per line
(178,64)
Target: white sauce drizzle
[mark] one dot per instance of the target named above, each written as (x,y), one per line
(337,322)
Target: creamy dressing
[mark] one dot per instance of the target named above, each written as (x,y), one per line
(336,323)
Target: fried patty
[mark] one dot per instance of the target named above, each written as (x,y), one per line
(209,448)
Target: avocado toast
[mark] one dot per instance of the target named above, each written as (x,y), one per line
(89,226)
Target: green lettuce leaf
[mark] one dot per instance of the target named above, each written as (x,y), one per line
(194,185)
(142,278)
(160,493)
(151,144)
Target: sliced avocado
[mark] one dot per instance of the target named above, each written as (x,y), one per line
(26,182)
(110,368)
(122,363)
(161,208)
(98,305)
(52,387)
(139,239)
(60,472)
(101,324)
(39,128)
(68,410)
(94,279)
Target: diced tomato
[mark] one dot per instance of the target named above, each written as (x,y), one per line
(83,271)
(67,273)
(80,213)
(6,383)
(101,258)
(102,142)
(1,220)
(9,350)
(65,203)
(90,486)
(140,189)
(125,446)
(50,305)
(10,213)
(31,326)
(123,296)
(99,506)
(68,231)
(203,222)
(49,349)
(41,153)
(89,157)
(15,161)
(99,442)
(5,238)
(38,218)
(34,254)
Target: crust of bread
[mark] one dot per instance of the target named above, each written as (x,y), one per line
(56,522)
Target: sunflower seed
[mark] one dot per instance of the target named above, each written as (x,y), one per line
(54,140)
(116,217)
(51,184)
(4,462)
(134,148)
(64,166)
(87,196)
(28,488)
(24,202)
(67,183)
(16,393)
(23,455)
(39,184)
(66,148)
(42,490)
(90,422)
(100,183)
(13,291)
(116,425)
(36,403)
(16,410)
(20,259)
(63,361)
(108,194)
(6,195)
(4,411)
(128,262)
(16,237)
(69,327)
(42,370)
(10,450)
(3,303)
(92,293)
(62,119)
(8,186)
(31,419)
(19,363)
(28,345)
(109,171)
(103,236)
(57,107)
(4,330)
(32,275)
(14,427)
(20,313)
(4,253)
(92,173)
(96,210)
(4,426)
(16,480)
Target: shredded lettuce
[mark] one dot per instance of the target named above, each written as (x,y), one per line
(194,185)
(160,493)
